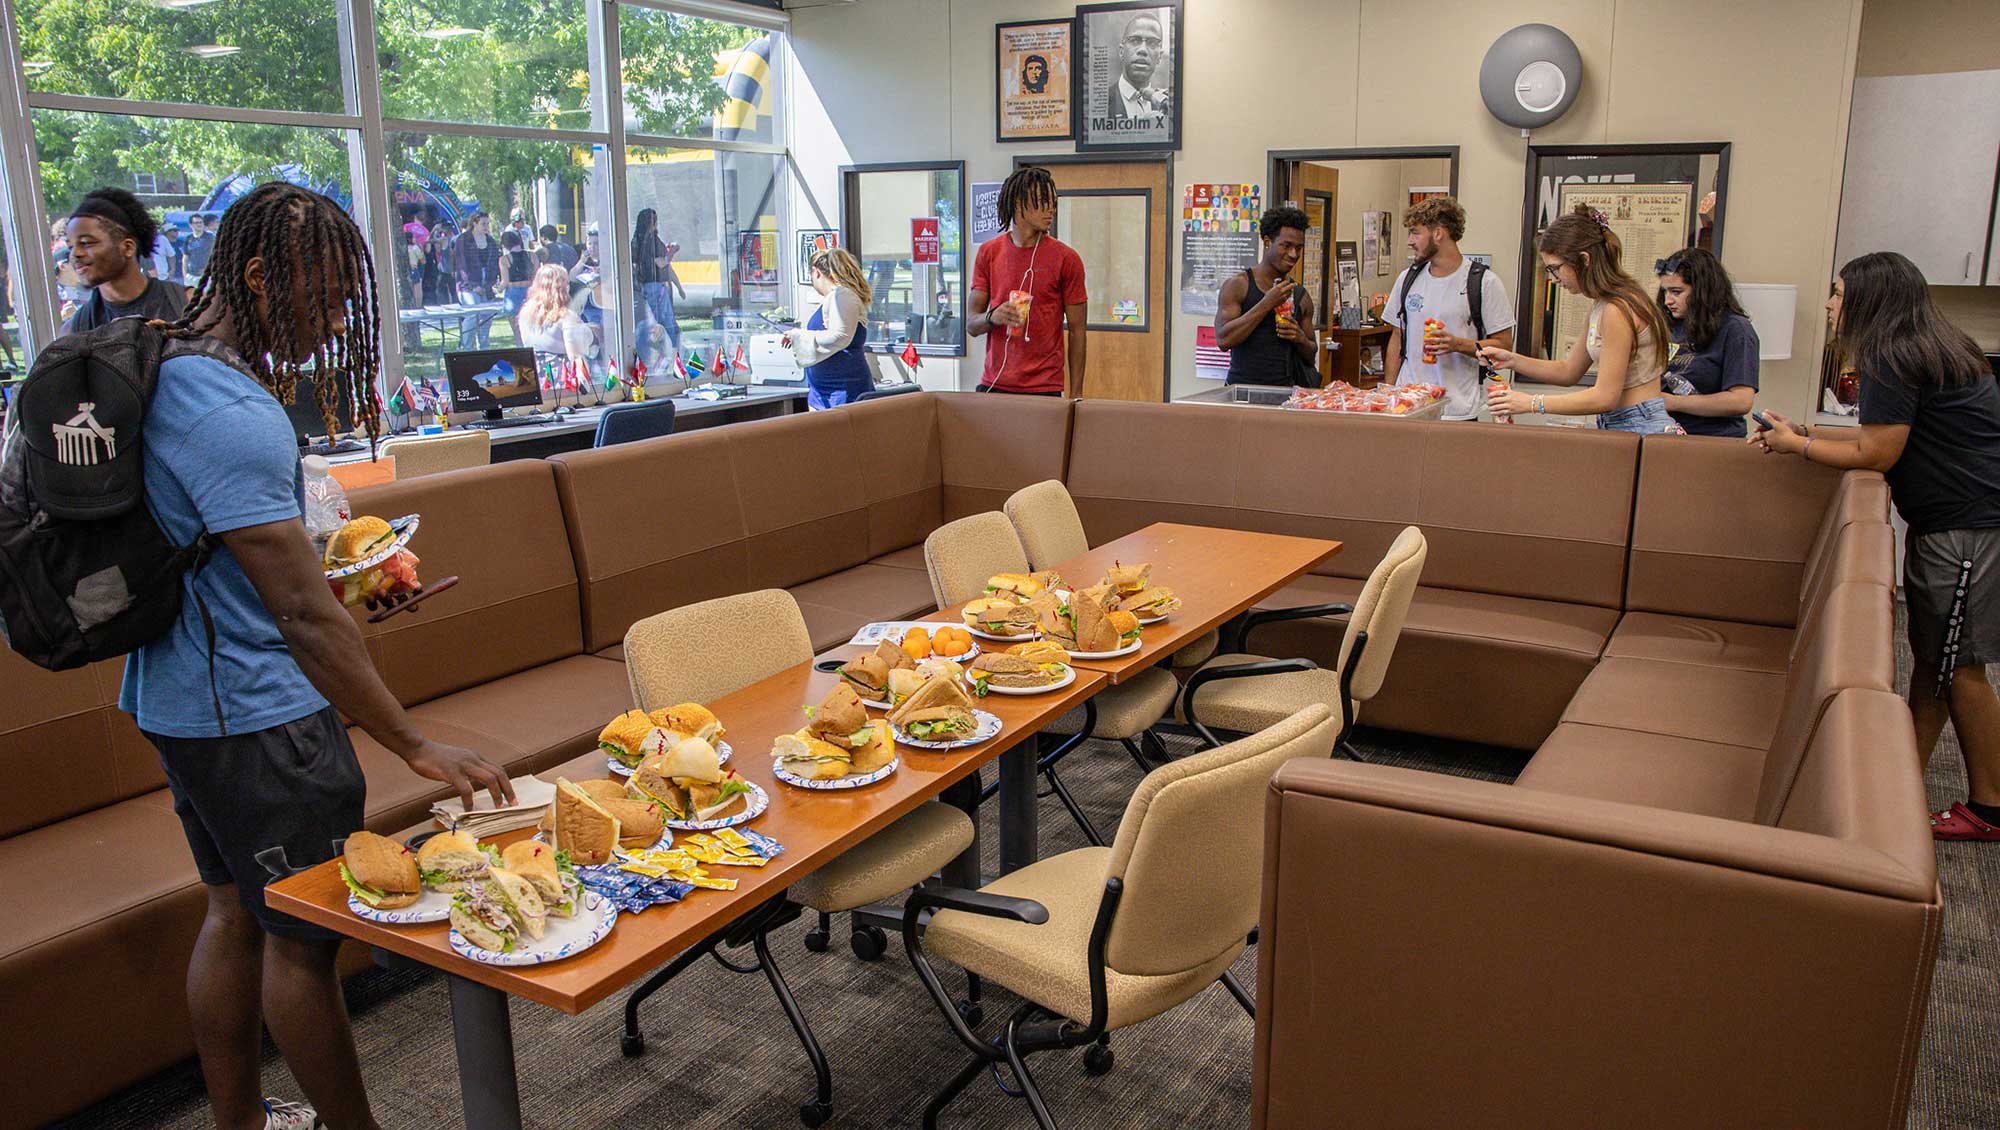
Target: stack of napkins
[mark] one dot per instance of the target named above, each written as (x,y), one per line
(532,797)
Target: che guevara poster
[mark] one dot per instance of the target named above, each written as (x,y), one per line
(1032,62)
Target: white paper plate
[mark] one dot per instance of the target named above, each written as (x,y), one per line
(1036,634)
(429,907)
(666,841)
(754,806)
(565,937)
(1145,620)
(989,727)
(834,784)
(1069,676)
(722,752)
(405,527)
(1126,650)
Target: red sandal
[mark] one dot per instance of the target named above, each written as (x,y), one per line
(1960,823)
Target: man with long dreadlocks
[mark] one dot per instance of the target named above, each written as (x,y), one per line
(244,695)
(1025,285)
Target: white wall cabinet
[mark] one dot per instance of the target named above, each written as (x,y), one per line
(1921,155)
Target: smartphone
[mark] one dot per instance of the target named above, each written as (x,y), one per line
(1763,423)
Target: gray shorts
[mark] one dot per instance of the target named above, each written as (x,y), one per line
(1951,582)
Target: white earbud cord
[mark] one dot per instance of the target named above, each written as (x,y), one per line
(1006,338)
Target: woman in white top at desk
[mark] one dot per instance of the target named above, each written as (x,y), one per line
(831,345)
(549,326)
(1627,339)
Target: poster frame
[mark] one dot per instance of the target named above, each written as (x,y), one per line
(1079,89)
(1000,135)
(1326,233)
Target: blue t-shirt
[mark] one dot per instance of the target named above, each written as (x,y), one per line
(220,455)
(1730,361)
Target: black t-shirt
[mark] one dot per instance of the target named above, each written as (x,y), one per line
(1730,361)
(1948,477)
(161,299)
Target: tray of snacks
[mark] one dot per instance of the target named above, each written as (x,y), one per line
(1408,401)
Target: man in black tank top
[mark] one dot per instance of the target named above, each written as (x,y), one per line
(1267,344)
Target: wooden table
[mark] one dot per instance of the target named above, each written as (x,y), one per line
(814,827)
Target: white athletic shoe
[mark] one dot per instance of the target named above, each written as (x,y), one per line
(281,1115)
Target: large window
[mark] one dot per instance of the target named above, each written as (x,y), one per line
(504,62)
(686,76)
(903,223)
(259,54)
(706,255)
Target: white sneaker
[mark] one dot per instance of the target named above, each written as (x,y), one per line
(281,1115)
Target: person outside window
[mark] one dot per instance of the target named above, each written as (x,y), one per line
(1627,337)
(105,234)
(1029,351)
(476,264)
(831,347)
(653,269)
(251,722)
(1930,423)
(195,252)
(553,249)
(548,325)
(1266,347)
(1711,378)
(1438,286)
(517,269)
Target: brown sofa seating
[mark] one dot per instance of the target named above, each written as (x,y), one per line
(1564,572)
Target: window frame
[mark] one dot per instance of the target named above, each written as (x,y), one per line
(850,237)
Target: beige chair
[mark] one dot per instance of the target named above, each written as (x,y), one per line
(1044,516)
(1246,693)
(701,652)
(428,455)
(1101,938)
(960,557)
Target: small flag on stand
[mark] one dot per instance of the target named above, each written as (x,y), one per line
(910,356)
(720,367)
(404,400)
(680,367)
(694,363)
(739,361)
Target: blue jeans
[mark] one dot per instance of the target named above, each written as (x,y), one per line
(475,331)
(817,401)
(1648,417)
(660,303)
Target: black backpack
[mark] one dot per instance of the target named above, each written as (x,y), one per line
(1475,301)
(86,573)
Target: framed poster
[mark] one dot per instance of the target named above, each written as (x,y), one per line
(1385,238)
(1218,239)
(812,241)
(1312,264)
(1652,221)
(1371,244)
(1031,62)
(985,211)
(1130,76)
(1347,273)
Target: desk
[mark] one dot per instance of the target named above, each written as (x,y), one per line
(575,431)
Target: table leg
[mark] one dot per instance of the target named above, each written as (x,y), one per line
(1020,833)
(487,1085)
(963,871)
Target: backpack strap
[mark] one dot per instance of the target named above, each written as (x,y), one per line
(1403,302)
(197,555)
(1475,301)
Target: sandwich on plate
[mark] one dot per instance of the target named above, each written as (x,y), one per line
(999,669)
(1014,586)
(548,871)
(689,783)
(584,827)
(493,913)
(640,822)
(999,616)
(1047,651)
(689,720)
(840,721)
(1098,630)
(815,759)
(449,860)
(1149,602)
(868,676)
(940,711)
(623,737)
(1055,618)
(357,541)
(381,872)
(1128,579)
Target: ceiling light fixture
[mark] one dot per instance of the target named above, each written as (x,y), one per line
(449,32)
(212,51)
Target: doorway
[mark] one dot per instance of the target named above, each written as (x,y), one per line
(1114,214)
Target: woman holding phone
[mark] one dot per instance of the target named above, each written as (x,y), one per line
(1627,338)
(1711,377)
(831,346)
(1930,422)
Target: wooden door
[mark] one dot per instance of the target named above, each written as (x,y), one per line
(1115,214)
(1324,185)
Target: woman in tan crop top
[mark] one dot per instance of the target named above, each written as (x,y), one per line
(1626,340)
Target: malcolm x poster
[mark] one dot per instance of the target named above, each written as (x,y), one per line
(1129,60)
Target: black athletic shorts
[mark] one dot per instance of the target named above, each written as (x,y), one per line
(297,786)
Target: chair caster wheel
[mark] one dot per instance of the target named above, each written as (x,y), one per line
(632,1045)
(869,943)
(817,941)
(972,1013)
(815,1113)
(1097,1060)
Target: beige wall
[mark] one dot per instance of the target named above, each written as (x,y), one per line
(906,79)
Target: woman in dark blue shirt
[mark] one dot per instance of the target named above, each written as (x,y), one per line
(1711,377)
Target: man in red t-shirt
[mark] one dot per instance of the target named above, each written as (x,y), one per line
(1027,351)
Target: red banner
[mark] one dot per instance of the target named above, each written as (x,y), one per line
(924,242)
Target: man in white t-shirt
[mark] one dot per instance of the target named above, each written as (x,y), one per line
(1441,277)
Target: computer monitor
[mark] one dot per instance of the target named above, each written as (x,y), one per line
(307,421)
(489,380)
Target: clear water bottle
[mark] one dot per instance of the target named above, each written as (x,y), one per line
(326,508)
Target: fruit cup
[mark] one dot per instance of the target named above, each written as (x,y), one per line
(1433,332)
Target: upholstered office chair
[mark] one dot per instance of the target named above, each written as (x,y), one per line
(701,652)
(1052,532)
(1101,938)
(428,455)
(889,390)
(960,557)
(1245,693)
(624,423)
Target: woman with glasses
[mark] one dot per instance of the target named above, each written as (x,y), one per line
(1711,377)
(1627,339)
(1930,422)
(831,346)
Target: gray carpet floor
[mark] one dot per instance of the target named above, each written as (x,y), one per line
(721,1056)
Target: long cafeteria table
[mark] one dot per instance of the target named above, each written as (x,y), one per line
(1218,574)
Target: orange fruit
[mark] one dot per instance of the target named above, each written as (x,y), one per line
(917,646)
